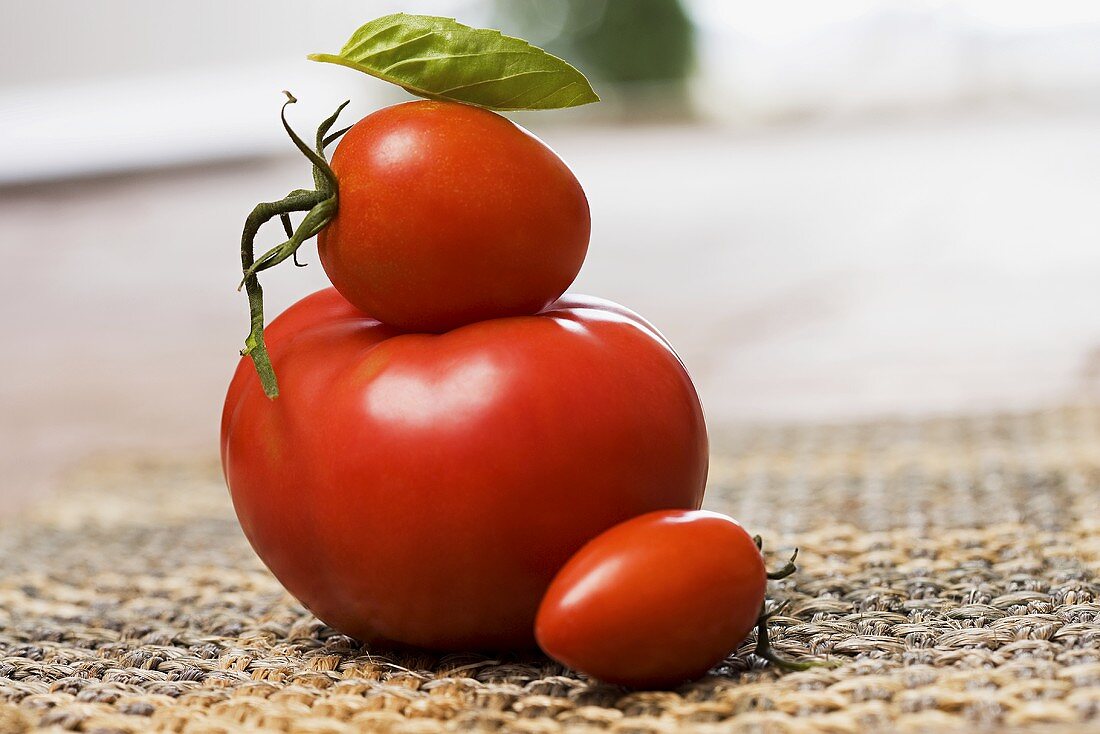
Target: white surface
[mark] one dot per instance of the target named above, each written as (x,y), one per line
(79,129)
(123,84)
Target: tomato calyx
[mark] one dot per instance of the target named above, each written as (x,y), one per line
(788,568)
(764,647)
(319,203)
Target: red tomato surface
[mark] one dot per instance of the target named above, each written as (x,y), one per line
(655,601)
(424,489)
(450,214)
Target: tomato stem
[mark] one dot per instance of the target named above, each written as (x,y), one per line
(787,569)
(288,227)
(320,205)
(764,647)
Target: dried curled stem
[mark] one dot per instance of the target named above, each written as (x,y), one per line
(764,647)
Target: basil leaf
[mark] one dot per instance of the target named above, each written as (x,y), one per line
(440,58)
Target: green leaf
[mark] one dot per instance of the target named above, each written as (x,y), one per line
(439,58)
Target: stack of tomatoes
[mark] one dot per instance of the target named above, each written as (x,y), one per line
(451,429)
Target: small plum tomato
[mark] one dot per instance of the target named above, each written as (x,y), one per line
(656,600)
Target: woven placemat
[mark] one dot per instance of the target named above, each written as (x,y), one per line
(950,566)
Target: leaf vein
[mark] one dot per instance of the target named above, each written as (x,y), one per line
(555,90)
(348,50)
(496,80)
(394,47)
(445,57)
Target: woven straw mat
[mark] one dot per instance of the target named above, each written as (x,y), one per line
(949,566)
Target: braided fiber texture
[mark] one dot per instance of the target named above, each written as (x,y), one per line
(949,567)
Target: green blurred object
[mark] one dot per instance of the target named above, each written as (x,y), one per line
(639,51)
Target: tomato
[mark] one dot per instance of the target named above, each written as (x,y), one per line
(424,489)
(450,214)
(655,601)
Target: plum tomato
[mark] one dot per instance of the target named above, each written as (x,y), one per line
(424,489)
(450,214)
(656,600)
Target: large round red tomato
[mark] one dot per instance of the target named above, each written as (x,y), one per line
(450,214)
(424,489)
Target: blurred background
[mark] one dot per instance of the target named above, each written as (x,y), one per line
(834,210)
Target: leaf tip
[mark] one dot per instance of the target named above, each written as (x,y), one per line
(590,98)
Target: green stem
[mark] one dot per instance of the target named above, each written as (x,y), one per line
(320,205)
(254,345)
(288,227)
(320,208)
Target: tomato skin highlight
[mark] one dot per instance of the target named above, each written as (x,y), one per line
(655,601)
(424,489)
(450,214)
